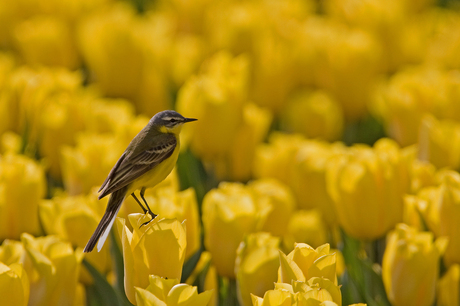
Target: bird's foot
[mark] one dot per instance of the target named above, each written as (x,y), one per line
(152,215)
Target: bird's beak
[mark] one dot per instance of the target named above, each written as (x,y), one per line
(190,119)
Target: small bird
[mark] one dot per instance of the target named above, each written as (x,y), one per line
(147,161)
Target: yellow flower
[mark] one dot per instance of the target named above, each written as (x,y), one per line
(44,40)
(306,226)
(439,142)
(158,249)
(256,266)
(73,219)
(52,267)
(135,68)
(449,287)
(316,291)
(369,182)
(275,159)
(305,262)
(313,114)
(87,165)
(237,163)
(22,185)
(440,207)
(229,212)
(14,284)
(11,251)
(168,203)
(410,266)
(275,205)
(210,280)
(165,292)
(216,96)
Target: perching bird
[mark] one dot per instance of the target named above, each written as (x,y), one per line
(147,161)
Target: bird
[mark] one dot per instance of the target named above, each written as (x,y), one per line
(148,159)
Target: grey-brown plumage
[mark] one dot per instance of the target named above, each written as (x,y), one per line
(139,168)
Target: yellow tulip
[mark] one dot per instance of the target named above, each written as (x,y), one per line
(73,219)
(11,251)
(23,186)
(52,267)
(158,249)
(256,266)
(439,142)
(216,96)
(275,159)
(44,40)
(87,165)
(367,186)
(165,292)
(135,68)
(407,250)
(14,284)
(168,203)
(305,262)
(316,291)
(275,204)
(323,114)
(229,212)
(210,280)
(306,226)
(449,287)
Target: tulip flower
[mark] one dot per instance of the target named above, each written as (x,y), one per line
(38,36)
(73,219)
(316,291)
(156,249)
(164,292)
(305,262)
(306,226)
(439,142)
(323,114)
(367,186)
(256,266)
(275,203)
(449,287)
(210,279)
(53,268)
(14,284)
(407,250)
(23,185)
(229,212)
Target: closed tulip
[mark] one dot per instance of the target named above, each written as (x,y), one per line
(410,266)
(14,284)
(53,268)
(367,186)
(22,181)
(229,212)
(72,218)
(155,249)
(449,287)
(257,264)
(306,226)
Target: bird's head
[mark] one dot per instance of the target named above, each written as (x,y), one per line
(170,121)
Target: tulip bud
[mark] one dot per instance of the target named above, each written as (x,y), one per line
(407,250)
(14,287)
(158,249)
(449,287)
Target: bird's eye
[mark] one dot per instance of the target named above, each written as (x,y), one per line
(172,120)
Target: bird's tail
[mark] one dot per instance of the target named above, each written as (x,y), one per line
(103,229)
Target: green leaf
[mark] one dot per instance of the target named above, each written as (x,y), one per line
(190,265)
(101,292)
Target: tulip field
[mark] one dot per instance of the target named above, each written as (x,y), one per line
(323,169)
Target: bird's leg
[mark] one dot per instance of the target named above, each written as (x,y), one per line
(148,208)
(138,202)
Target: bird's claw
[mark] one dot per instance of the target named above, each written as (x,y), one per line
(152,215)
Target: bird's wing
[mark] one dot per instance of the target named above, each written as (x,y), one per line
(132,165)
